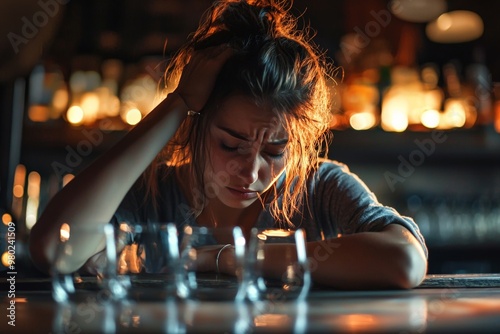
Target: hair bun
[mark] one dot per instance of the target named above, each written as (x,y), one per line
(241,22)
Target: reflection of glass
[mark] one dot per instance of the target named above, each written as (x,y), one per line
(261,277)
(149,254)
(200,247)
(104,263)
(173,320)
(88,316)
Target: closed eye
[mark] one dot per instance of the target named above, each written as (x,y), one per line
(228,148)
(274,155)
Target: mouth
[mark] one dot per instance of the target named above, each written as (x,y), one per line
(243,193)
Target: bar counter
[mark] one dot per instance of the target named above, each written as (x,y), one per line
(443,303)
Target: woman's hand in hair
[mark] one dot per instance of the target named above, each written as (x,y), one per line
(199,75)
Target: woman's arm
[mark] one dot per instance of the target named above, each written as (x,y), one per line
(94,195)
(392,258)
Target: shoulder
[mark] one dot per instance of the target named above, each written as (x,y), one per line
(334,171)
(334,177)
(330,168)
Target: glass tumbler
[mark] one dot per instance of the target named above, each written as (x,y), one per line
(67,284)
(200,248)
(148,260)
(275,266)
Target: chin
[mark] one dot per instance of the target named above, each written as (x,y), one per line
(236,204)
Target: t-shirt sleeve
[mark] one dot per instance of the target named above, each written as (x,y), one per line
(345,202)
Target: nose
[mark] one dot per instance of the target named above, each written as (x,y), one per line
(249,168)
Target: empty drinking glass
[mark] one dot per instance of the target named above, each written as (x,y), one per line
(147,263)
(67,284)
(275,266)
(200,250)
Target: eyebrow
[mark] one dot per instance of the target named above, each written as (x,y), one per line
(243,137)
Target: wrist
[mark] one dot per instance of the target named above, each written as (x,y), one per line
(221,259)
(189,111)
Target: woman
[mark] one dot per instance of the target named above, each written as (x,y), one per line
(239,142)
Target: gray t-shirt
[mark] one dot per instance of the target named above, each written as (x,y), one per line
(337,203)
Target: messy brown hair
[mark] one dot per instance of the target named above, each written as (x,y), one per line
(276,64)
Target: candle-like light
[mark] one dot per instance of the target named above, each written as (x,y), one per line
(75,115)
(363,120)
(395,113)
(430,118)
(132,116)
(33,201)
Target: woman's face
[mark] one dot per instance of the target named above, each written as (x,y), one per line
(247,147)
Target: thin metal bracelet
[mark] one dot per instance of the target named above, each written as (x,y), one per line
(193,113)
(218,256)
(190,112)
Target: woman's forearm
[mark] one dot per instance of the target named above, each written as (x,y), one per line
(392,258)
(93,196)
(372,260)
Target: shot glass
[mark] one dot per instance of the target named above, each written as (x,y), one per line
(275,266)
(148,260)
(199,248)
(67,284)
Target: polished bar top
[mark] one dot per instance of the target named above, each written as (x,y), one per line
(444,303)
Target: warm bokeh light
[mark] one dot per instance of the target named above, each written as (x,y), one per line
(60,100)
(6,218)
(418,10)
(33,201)
(90,106)
(19,180)
(430,118)
(432,99)
(34,184)
(133,116)
(275,233)
(457,26)
(444,22)
(38,113)
(109,103)
(454,115)
(411,95)
(5,259)
(358,97)
(497,116)
(395,114)
(362,121)
(18,190)
(395,121)
(75,115)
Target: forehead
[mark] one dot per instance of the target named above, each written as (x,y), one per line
(243,115)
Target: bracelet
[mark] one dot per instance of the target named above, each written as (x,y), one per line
(218,256)
(190,112)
